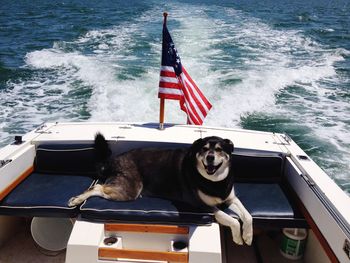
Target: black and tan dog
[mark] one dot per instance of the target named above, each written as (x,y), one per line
(199,176)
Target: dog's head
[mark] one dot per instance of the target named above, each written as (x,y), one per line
(213,156)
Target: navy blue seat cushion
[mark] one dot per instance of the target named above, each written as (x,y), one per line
(75,159)
(144,209)
(45,195)
(268,205)
(257,168)
(264,200)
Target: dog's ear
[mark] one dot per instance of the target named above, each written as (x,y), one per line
(229,145)
(196,145)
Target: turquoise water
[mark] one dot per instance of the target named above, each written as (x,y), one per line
(276,65)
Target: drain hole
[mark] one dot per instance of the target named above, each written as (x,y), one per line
(109,241)
(179,245)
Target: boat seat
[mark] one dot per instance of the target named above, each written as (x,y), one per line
(144,210)
(60,172)
(269,206)
(45,195)
(258,185)
(266,202)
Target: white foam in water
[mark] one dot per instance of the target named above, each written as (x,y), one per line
(275,60)
(288,58)
(266,63)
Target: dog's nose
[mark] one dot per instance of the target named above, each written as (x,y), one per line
(210,158)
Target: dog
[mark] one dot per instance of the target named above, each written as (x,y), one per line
(200,176)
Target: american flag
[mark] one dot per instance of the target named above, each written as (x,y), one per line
(176,84)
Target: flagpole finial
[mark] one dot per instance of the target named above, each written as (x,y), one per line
(165,15)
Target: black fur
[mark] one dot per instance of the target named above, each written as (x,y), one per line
(102,150)
(222,188)
(199,176)
(166,173)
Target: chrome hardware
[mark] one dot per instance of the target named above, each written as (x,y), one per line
(346,247)
(4,162)
(41,129)
(303,158)
(286,138)
(18,140)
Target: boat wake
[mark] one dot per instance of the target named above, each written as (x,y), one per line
(248,69)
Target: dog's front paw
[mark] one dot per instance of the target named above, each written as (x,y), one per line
(74,201)
(236,237)
(248,238)
(236,232)
(248,231)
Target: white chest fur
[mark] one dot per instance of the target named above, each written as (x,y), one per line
(214,201)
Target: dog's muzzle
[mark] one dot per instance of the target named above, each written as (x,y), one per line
(211,168)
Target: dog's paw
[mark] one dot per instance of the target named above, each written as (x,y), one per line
(236,232)
(248,231)
(74,201)
(236,237)
(248,238)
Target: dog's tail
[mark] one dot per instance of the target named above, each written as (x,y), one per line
(101,147)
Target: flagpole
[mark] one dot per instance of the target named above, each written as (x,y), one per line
(162,100)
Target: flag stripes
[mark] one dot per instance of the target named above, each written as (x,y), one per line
(183,88)
(178,85)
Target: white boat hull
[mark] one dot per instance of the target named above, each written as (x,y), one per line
(323,203)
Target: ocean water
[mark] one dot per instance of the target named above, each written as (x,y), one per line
(275,65)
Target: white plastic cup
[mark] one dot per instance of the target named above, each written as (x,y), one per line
(51,234)
(293,243)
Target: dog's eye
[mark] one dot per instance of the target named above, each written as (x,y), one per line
(205,149)
(218,149)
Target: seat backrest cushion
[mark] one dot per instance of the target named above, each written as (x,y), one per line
(257,168)
(65,158)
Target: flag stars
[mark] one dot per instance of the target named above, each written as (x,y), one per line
(180,86)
